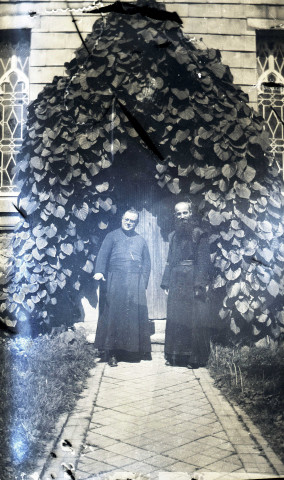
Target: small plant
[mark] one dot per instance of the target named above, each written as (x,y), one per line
(253,378)
(40,379)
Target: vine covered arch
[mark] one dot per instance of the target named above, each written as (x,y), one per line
(139,85)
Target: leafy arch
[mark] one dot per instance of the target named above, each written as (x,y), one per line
(142,81)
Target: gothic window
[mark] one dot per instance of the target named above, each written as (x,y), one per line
(270,64)
(14,97)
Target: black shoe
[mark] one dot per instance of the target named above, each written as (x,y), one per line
(112,362)
(192,366)
(171,361)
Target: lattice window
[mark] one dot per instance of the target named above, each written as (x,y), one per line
(14,97)
(270,64)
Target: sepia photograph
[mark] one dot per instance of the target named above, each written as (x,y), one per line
(141,240)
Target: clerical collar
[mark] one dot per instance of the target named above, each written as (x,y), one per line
(128,233)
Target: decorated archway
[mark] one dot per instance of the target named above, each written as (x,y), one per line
(142,109)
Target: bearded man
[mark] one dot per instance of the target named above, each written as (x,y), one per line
(185,281)
(123,331)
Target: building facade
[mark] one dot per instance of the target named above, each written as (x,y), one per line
(38,37)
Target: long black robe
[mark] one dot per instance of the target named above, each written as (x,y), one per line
(189,323)
(123,321)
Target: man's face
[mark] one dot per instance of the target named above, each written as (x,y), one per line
(182,212)
(129,221)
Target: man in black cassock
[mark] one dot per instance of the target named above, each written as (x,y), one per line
(124,262)
(185,280)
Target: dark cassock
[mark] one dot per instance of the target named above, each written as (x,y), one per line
(186,277)
(123,325)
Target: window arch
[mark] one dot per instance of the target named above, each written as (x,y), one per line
(14,98)
(270,65)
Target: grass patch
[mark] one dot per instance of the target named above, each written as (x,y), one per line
(253,378)
(40,379)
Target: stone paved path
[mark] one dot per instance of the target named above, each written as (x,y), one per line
(149,418)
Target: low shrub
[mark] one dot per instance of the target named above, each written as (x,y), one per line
(253,377)
(40,379)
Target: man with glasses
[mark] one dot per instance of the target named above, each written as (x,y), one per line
(123,261)
(185,281)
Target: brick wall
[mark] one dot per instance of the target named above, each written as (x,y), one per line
(228,25)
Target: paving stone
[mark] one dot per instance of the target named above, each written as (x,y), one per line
(139,454)
(161,461)
(95,467)
(223,466)
(161,421)
(97,440)
(81,475)
(157,447)
(181,467)
(141,467)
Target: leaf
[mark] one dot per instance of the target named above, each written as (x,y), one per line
(81,212)
(88,267)
(103,187)
(232,274)
(106,205)
(218,69)
(111,147)
(51,287)
(267,254)
(233,290)
(41,243)
(19,297)
(234,256)
(224,155)
(265,226)
(173,186)
(102,225)
(263,274)
(79,245)
(273,288)
(84,143)
(262,318)
(233,326)
(51,231)
(96,72)
(9,322)
(248,174)
(37,163)
(229,170)
(180,136)
(236,133)
(242,190)
(61,199)
(38,231)
(73,159)
(242,305)
(215,218)
(249,222)
(51,251)
(161,168)
(211,172)
(187,114)
(37,255)
(94,168)
(67,248)
(196,187)
(180,94)
(219,282)
(59,212)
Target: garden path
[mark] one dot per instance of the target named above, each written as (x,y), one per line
(164,422)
